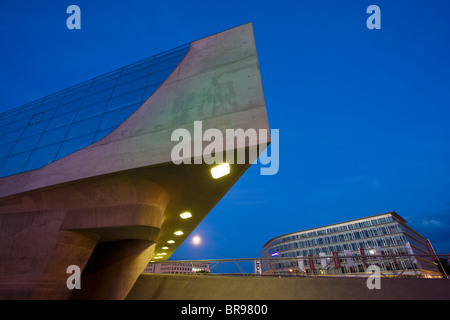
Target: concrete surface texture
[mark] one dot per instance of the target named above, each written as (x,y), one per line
(215,287)
(108,207)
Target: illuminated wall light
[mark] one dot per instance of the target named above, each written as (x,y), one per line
(220,170)
(170,241)
(178,233)
(185,215)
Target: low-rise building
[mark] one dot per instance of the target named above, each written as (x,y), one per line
(178,268)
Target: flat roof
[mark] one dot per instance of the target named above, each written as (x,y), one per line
(392,213)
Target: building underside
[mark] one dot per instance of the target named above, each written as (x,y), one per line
(110,206)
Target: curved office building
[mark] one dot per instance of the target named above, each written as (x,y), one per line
(87,179)
(379,240)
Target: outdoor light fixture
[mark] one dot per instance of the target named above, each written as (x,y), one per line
(178,233)
(186,215)
(170,241)
(196,240)
(165,248)
(220,170)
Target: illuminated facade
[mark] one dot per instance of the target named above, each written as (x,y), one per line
(356,244)
(178,268)
(87,177)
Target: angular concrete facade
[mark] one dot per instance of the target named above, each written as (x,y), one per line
(110,206)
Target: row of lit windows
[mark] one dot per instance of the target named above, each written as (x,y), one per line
(352,245)
(350,226)
(336,238)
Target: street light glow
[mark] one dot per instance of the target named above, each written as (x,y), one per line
(196,240)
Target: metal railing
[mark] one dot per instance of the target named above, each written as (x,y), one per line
(390,265)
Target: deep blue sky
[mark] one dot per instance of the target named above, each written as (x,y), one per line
(363,114)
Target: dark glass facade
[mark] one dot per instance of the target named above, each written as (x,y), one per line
(48,129)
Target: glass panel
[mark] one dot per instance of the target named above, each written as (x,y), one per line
(149,90)
(37,118)
(53,136)
(73,145)
(159,77)
(130,86)
(84,127)
(125,100)
(61,121)
(133,75)
(82,86)
(115,118)
(11,136)
(34,129)
(14,164)
(100,135)
(42,157)
(18,124)
(65,108)
(92,110)
(106,77)
(44,123)
(25,113)
(138,66)
(55,96)
(48,114)
(26,144)
(74,96)
(5,149)
(163,64)
(95,98)
(102,86)
(49,104)
(3,129)
(6,121)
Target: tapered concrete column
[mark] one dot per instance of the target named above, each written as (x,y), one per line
(113,269)
(107,226)
(71,248)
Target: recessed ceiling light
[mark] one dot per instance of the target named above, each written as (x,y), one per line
(186,215)
(170,241)
(178,233)
(165,248)
(220,170)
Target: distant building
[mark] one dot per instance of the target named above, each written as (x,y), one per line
(178,268)
(375,240)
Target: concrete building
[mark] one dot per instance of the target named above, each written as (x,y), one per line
(87,177)
(348,248)
(178,268)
